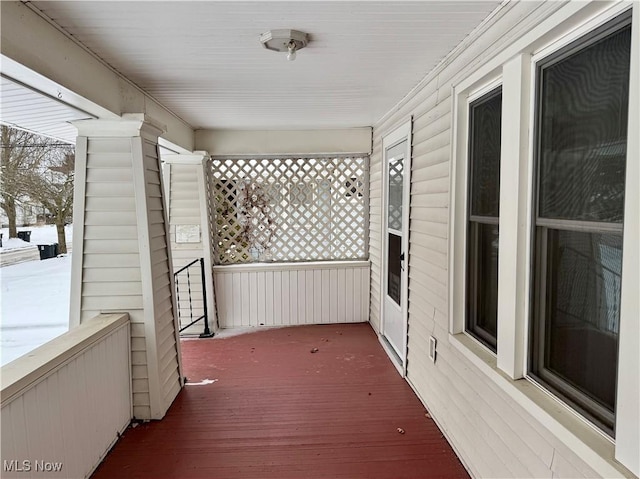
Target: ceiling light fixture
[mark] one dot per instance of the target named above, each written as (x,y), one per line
(289,41)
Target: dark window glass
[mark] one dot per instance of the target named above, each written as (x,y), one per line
(485,117)
(483,283)
(582,135)
(394,267)
(584,132)
(583,310)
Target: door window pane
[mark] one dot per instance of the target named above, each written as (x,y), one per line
(394,267)
(583,137)
(395,156)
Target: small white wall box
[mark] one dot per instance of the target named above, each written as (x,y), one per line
(187,233)
(432,348)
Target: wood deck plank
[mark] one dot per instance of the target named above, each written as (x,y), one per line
(277,410)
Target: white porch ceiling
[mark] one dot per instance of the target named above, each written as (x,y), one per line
(204,61)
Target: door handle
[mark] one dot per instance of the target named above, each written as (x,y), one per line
(402,261)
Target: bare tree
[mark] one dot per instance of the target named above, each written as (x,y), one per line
(51,184)
(21,152)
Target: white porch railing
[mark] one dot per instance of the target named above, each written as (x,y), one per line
(65,404)
(279,294)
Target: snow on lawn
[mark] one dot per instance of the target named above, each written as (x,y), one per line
(34,299)
(39,235)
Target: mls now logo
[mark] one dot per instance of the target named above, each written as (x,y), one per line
(27,466)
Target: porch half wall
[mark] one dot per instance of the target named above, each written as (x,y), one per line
(288,294)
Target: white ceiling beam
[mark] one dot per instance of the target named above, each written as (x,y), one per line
(277,142)
(40,55)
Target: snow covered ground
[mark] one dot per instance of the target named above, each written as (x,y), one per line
(34,297)
(39,235)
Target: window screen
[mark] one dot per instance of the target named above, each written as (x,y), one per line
(583,95)
(485,117)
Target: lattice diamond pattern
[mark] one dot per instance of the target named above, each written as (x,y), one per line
(395,193)
(319,207)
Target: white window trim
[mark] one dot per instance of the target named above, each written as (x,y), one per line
(458,323)
(516,66)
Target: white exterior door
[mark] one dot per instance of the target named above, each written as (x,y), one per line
(396,168)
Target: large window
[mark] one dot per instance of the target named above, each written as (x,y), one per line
(289,209)
(485,116)
(565,302)
(582,109)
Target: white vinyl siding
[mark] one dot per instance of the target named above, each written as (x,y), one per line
(167,354)
(375,229)
(122,263)
(292,294)
(111,262)
(494,435)
(185,209)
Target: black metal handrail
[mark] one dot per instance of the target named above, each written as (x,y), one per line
(207,332)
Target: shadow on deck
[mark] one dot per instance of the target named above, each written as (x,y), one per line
(277,410)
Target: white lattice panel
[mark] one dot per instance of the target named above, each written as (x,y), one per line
(288,209)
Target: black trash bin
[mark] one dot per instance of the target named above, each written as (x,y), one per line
(25,236)
(48,250)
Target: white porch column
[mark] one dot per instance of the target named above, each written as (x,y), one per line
(189,229)
(121,257)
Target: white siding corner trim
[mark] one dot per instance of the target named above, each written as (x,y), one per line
(157,286)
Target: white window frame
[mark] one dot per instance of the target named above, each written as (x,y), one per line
(516,67)
(474,95)
(535,60)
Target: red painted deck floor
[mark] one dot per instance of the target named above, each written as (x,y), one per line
(276,410)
